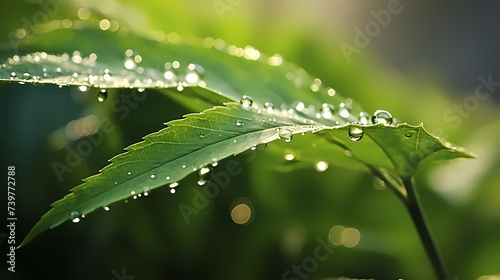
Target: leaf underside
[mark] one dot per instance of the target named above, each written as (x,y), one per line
(283,101)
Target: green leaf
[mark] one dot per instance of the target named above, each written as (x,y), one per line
(201,139)
(270,100)
(221,68)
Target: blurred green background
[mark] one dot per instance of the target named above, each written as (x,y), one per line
(421,66)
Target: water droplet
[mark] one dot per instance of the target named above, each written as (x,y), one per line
(382,116)
(239,123)
(285,133)
(300,106)
(321,166)
(202,135)
(269,107)
(83,88)
(168,177)
(183,166)
(75,216)
(246,101)
(204,175)
(355,133)
(101,96)
(129,64)
(344,110)
(253,148)
(408,135)
(364,118)
(129,173)
(132,192)
(215,164)
(106,208)
(327,110)
(153,176)
(172,191)
(289,157)
(194,73)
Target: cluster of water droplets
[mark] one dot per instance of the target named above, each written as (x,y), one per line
(85,72)
(356,130)
(326,114)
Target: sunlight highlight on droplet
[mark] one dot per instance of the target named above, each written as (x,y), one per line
(321,166)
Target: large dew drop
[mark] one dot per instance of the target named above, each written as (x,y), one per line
(269,107)
(204,175)
(285,133)
(239,123)
(355,133)
(75,216)
(327,110)
(382,116)
(364,118)
(246,101)
(344,110)
(101,96)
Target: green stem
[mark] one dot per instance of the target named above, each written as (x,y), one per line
(413,206)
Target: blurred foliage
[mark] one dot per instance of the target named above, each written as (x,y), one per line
(292,206)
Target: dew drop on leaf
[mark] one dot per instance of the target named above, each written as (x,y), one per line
(321,166)
(355,133)
(327,110)
(183,166)
(101,96)
(106,208)
(364,118)
(204,175)
(299,107)
(285,133)
(75,216)
(153,176)
(83,88)
(239,123)
(246,101)
(269,107)
(344,110)
(382,116)
(408,135)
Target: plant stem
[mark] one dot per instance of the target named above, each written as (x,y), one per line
(413,206)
